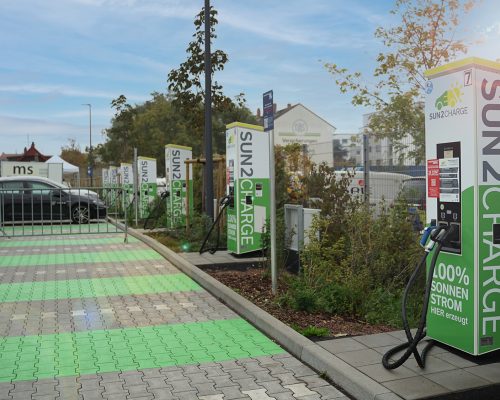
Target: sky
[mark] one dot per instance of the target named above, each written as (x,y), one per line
(57,55)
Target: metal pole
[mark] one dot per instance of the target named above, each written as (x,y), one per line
(274,272)
(136,188)
(208,172)
(366,167)
(188,190)
(91,163)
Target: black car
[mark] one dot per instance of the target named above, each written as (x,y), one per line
(28,198)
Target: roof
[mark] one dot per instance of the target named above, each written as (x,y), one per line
(67,167)
(280,113)
(460,64)
(31,154)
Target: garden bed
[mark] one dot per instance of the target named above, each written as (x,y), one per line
(255,285)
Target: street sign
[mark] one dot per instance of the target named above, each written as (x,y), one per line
(89,171)
(268,110)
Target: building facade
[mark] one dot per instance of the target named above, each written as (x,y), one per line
(297,124)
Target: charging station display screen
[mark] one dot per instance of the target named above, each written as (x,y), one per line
(449,205)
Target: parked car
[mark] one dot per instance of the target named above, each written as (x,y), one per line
(30,198)
(414,191)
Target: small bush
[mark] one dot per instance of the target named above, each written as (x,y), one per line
(358,259)
(311,331)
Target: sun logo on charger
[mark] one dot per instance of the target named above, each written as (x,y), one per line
(450,97)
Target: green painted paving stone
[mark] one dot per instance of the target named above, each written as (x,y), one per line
(66,242)
(246,342)
(57,229)
(29,260)
(103,287)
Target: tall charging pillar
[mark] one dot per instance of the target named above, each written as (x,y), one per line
(146,171)
(462,138)
(247,181)
(175,172)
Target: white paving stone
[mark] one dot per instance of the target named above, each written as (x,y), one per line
(300,390)
(258,394)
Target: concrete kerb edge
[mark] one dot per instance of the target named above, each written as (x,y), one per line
(342,374)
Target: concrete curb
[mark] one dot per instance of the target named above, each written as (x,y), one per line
(342,374)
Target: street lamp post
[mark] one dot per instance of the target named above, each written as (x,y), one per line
(207,137)
(90,170)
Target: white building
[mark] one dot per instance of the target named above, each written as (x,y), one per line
(381,152)
(298,124)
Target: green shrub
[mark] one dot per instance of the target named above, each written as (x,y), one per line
(358,259)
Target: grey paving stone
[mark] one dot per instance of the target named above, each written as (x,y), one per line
(262,376)
(22,386)
(181,385)
(313,381)
(490,372)
(5,388)
(206,389)
(191,395)
(387,396)
(247,384)
(161,394)
(417,387)
(380,374)
(223,381)
(156,383)
(232,392)
(378,340)
(432,365)
(197,378)
(287,379)
(45,396)
(274,387)
(113,387)
(359,358)
(300,370)
(21,395)
(342,345)
(94,394)
(455,360)
(329,392)
(457,380)
(137,391)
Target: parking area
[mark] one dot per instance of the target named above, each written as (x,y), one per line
(88,316)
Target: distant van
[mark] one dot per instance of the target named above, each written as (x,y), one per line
(383,185)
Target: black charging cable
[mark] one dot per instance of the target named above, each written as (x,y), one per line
(223,204)
(163,196)
(438,236)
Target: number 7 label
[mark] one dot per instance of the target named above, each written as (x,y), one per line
(468,77)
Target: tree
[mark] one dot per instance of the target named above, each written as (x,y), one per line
(185,83)
(157,122)
(73,154)
(339,154)
(424,39)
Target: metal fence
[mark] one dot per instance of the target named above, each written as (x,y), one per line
(382,170)
(27,210)
(385,169)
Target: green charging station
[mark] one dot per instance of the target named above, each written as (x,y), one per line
(462,137)
(247,185)
(175,172)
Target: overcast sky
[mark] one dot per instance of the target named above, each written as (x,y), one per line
(58,54)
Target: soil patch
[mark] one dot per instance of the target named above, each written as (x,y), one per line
(255,286)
